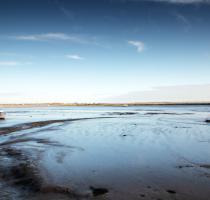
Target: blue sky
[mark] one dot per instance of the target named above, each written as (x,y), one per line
(107,50)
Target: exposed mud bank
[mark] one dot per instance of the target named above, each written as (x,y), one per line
(167,113)
(123,113)
(21,171)
(39,124)
(132,155)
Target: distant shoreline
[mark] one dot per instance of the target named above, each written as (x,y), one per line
(102,104)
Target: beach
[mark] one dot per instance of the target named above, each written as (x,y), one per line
(146,152)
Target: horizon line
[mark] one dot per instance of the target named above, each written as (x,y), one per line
(2,105)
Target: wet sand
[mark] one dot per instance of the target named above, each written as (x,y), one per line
(131,154)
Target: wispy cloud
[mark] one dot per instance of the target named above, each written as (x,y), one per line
(8,63)
(13,63)
(50,36)
(179,93)
(138,44)
(68,13)
(15,55)
(74,57)
(184,1)
(183,20)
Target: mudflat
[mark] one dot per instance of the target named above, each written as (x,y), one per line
(139,152)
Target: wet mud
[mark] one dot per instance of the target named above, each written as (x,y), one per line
(39,124)
(115,158)
(166,113)
(123,113)
(19,171)
(22,173)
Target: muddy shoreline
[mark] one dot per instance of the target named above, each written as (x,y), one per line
(112,155)
(22,172)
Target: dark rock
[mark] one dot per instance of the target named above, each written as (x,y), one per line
(171,191)
(98,191)
(205,166)
(184,166)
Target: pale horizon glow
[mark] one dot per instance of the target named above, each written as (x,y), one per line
(184,93)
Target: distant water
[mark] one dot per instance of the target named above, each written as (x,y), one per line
(15,115)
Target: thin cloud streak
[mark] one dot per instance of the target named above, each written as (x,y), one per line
(13,63)
(74,57)
(50,36)
(138,44)
(183,20)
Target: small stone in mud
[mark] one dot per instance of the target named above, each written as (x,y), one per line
(184,166)
(98,191)
(206,175)
(142,195)
(171,191)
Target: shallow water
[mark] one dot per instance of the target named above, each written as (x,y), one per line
(140,152)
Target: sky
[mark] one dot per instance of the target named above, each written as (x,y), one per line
(104,51)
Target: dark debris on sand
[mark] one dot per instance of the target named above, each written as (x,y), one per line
(20,171)
(26,176)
